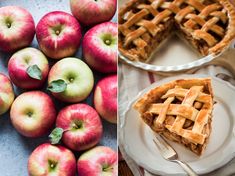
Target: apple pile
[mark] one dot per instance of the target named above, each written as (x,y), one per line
(77,126)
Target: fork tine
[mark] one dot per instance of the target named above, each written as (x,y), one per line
(156,143)
(165,149)
(164,142)
(160,145)
(161,142)
(170,154)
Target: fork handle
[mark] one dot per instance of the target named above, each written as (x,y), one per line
(186,168)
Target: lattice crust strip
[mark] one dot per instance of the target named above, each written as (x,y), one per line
(187,110)
(206,20)
(141,22)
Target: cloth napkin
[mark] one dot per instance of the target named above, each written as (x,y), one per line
(133,80)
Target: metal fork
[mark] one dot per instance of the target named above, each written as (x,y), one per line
(170,154)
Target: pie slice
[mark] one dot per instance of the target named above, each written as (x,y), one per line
(208,25)
(181,111)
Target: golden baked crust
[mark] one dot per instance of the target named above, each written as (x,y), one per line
(208,25)
(181,111)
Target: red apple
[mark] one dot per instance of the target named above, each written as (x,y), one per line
(17,28)
(50,160)
(100,47)
(105,98)
(90,12)
(6,94)
(28,68)
(81,125)
(33,114)
(58,34)
(99,161)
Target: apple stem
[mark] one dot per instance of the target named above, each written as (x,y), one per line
(30,114)
(74,125)
(8,25)
(105,169)
(57,32)
(77,125)
(107,42)
(52,165)
(71,80)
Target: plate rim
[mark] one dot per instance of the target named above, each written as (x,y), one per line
(175,68)
(164,80)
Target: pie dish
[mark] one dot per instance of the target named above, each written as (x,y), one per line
(181,111)
(208,25)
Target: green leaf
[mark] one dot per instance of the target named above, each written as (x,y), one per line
(56,135)
(57,86)
(34,72)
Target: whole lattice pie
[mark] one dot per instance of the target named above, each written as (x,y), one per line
(208,25)
(181,111)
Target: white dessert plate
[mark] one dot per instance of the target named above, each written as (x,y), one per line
(137,137)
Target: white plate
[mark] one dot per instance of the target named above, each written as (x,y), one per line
(137,136)
(178,56)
